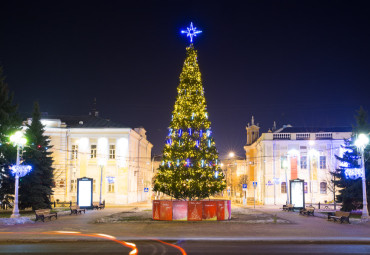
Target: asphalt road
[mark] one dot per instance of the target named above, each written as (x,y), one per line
(190,247)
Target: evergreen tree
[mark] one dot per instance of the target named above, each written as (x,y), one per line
(9,124)
(350,191)
(190,167)
(36,187)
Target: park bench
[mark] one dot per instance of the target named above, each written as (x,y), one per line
(97,205)
(339,216)
(75,209)
(288,207)
(309,210)
(45,213)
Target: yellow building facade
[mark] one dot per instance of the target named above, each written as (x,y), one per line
(117,158)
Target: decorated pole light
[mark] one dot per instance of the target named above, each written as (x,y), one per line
(361,142)
(18,170)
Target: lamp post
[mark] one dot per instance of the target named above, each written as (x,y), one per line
(102,161)
(18,170)
(361,142)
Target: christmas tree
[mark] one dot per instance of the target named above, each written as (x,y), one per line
(9,124)
(190,167)
(350,187)
(36,187)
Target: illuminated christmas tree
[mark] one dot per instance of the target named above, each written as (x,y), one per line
(190,167)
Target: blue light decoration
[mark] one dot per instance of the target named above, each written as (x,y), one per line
(170,132)
(162,163)
(197,144)
(178,163)
(202,162)
(169,141)
(169,163)
(180,132)
(21,170)
(188,162)
(353,173)
(216,162)
(206,114)
(209,143)
(110,179)
(191,32)
(216,174)
(209,133)
(189,131)
(192,116)
(200,133)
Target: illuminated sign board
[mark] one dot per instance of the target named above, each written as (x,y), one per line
(84,192)
(297,193)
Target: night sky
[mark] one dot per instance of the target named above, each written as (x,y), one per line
(304,63)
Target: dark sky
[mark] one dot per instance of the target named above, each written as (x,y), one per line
(306,63)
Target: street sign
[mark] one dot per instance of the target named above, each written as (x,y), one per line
(146,189)
(244,187)
(254,184)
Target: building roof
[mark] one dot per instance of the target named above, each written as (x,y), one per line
(85,121)
(290,129)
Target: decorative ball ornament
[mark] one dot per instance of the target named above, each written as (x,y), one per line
(21,170)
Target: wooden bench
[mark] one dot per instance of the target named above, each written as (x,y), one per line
(97,205)
(309,210)
(339,216)
(75,209)
(288,207)
(45,213)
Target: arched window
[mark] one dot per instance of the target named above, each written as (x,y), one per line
(323,187)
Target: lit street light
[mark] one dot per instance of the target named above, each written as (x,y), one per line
(18,170)
(361,142)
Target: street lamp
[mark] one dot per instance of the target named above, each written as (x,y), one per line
(231,154)
(18,170)
(361,142)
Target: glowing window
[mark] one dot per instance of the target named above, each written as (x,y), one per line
(112,151)
(93,151)
(74,151)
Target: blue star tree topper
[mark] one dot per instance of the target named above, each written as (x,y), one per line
(191,32)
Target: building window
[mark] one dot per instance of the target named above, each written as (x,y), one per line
(73,185)
(93,151)
(283,187)
(323,188)
(112,151)
(74,151)
(111,187)
(284,162)
(94,186)
(303,162)
(322,162)
(305,187)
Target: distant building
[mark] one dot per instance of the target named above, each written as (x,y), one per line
(82,146)
(278,156)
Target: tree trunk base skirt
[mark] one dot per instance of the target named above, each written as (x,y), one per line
(207,210)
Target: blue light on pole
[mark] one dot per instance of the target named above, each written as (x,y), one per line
(191,32)
(21,170)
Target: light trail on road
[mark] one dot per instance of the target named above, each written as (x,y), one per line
(132,246)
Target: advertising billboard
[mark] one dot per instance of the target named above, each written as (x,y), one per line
(84,192)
